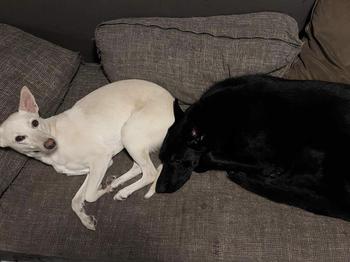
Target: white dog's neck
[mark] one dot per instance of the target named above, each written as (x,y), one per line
(51,124)
(60,159)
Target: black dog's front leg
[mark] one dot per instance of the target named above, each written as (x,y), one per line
(220,161)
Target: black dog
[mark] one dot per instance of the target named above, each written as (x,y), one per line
(286,140)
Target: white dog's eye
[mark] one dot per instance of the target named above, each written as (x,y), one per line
(35,123)
(19,138)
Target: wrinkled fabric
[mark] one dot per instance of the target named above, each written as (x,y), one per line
(326,53)
(187,55)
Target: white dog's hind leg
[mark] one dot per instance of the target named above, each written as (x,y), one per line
(143,132)
(148,174)
(133,172)
(152,189)
(110,163)
(78,207)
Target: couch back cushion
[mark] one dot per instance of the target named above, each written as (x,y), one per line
(46,69)
(326,52)
(186,55)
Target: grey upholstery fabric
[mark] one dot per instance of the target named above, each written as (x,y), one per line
(209,219)
(188,55)
(88,78)
(45,68)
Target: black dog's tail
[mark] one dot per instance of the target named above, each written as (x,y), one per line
(304,191)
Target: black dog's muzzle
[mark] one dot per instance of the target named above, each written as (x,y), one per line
(170,180)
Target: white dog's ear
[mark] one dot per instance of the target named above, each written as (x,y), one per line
(27,101)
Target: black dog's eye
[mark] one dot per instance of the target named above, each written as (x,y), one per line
(35,123)
(20,138)
(196,141)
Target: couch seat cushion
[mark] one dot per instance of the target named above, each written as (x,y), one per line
(209,219)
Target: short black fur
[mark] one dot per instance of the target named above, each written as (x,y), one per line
(286,140)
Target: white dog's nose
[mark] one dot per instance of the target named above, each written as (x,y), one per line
(50,144)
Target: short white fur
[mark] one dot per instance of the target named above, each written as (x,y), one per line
(130,114)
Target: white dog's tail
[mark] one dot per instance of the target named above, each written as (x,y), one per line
(152,189)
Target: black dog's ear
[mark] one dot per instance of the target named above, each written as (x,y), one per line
(178,113)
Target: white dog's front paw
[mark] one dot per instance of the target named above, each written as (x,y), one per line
(122,195)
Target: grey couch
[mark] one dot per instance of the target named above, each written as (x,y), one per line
(210,219)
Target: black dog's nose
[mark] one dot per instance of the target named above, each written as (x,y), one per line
(161,188)
(50,144)
(166,188)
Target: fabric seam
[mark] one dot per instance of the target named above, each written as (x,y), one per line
(202,33)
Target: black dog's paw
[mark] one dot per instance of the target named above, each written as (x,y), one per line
(272,171)
(201,169)
(237,176)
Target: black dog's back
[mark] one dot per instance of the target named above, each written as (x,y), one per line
(297,131)
(283,113)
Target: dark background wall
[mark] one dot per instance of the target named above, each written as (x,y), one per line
(71,23)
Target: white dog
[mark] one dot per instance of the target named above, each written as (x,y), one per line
(130,114)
